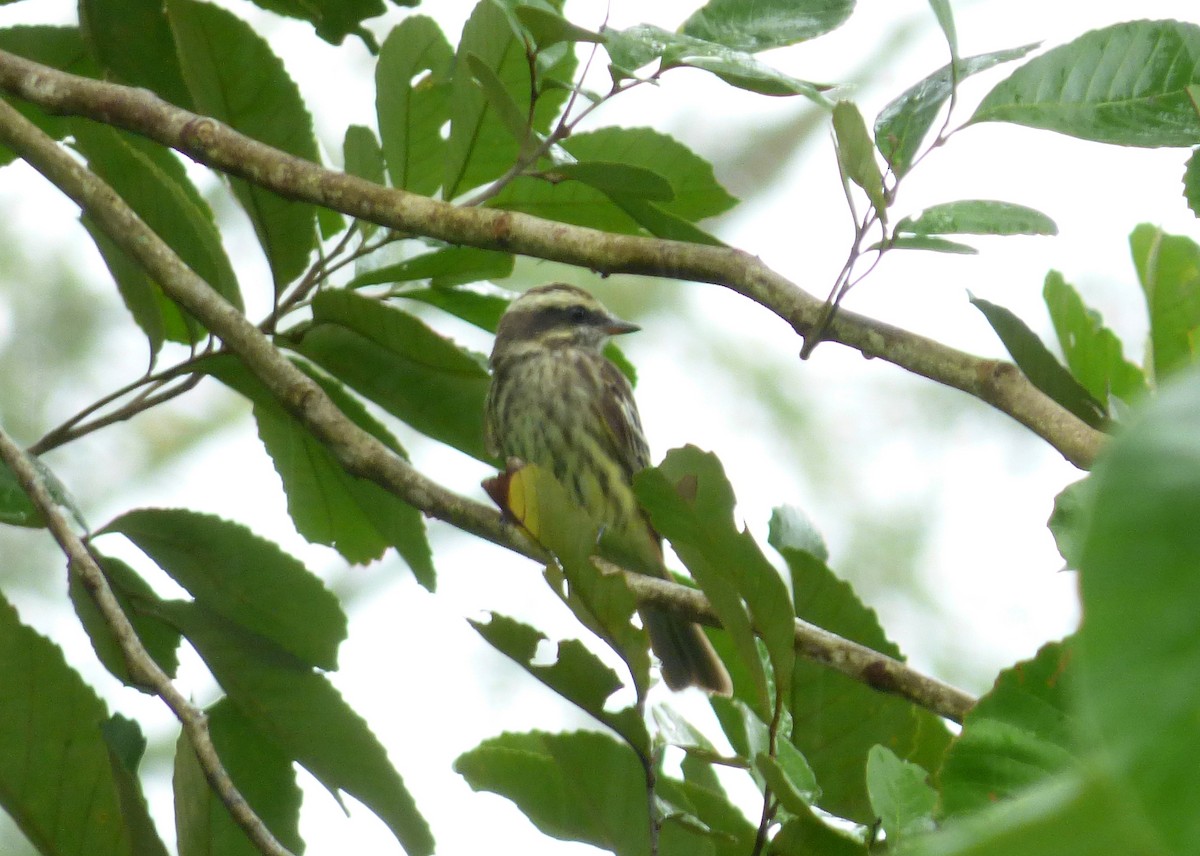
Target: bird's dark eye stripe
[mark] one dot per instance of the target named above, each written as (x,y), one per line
(578,314)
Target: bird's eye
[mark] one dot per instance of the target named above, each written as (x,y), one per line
(577,314)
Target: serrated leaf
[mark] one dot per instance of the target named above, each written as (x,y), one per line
(160,640)
(356,517)
(1191,182)
(1039,365)
(56,775)
(900,795)
(691,503)
(412,103)
(444,267)
(901,126)
(301,713)
(729,833)
(836,720)
(763,24)
(1168,268)
(126,745)
(111,26)
(806,833)
(978,217)
(244,578)
(262,773)
(576,674)
(1138,629)
(1124,84)
(233,75)
(1093,351)
(153,182)
(579,786)
(395,360)
(1020,733)
(856,153)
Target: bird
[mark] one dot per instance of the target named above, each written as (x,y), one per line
(556,401)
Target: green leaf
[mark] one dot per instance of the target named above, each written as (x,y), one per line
(900,795)
(246,579)
(1020,734)
(925,242)
(126,745)
(1039,365)
(1124,84)
(499,99)
(355,516)
(153,182)
(856,153)
(412,103)
(945,19)
(363,155)
(547,27)
(576,674)
(789,776)
(59,47)
(234,76)
(619,179)
(17,509)
(481,145)
(837,719)
(729,833)
(1138,652)
(636,46)
(791,529)
(1168,268)
(806,833)
(160,640)
(579,786)
(1092,350)
(262,774)
(56,775)
(902,125)
(691,503)
(482,310)
(1067,521)
(333,20)
(444,267)
(393,359)
(301,713)
(112,26)
(1191,182)
(759,25)
(696,194)
(1077,814)
(978,217)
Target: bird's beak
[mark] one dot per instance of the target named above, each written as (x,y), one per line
(617,327)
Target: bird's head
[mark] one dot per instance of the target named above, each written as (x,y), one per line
(557,316)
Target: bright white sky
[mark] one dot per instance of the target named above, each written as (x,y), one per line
(990,568)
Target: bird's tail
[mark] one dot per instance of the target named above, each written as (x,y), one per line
(688,658)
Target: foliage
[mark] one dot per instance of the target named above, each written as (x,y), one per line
(1089,747)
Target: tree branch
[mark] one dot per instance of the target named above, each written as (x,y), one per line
(210,142)
(364,456)
(143,670)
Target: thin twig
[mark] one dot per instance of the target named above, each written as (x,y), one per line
(142,668)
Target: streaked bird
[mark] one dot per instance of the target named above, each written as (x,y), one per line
(556,401)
